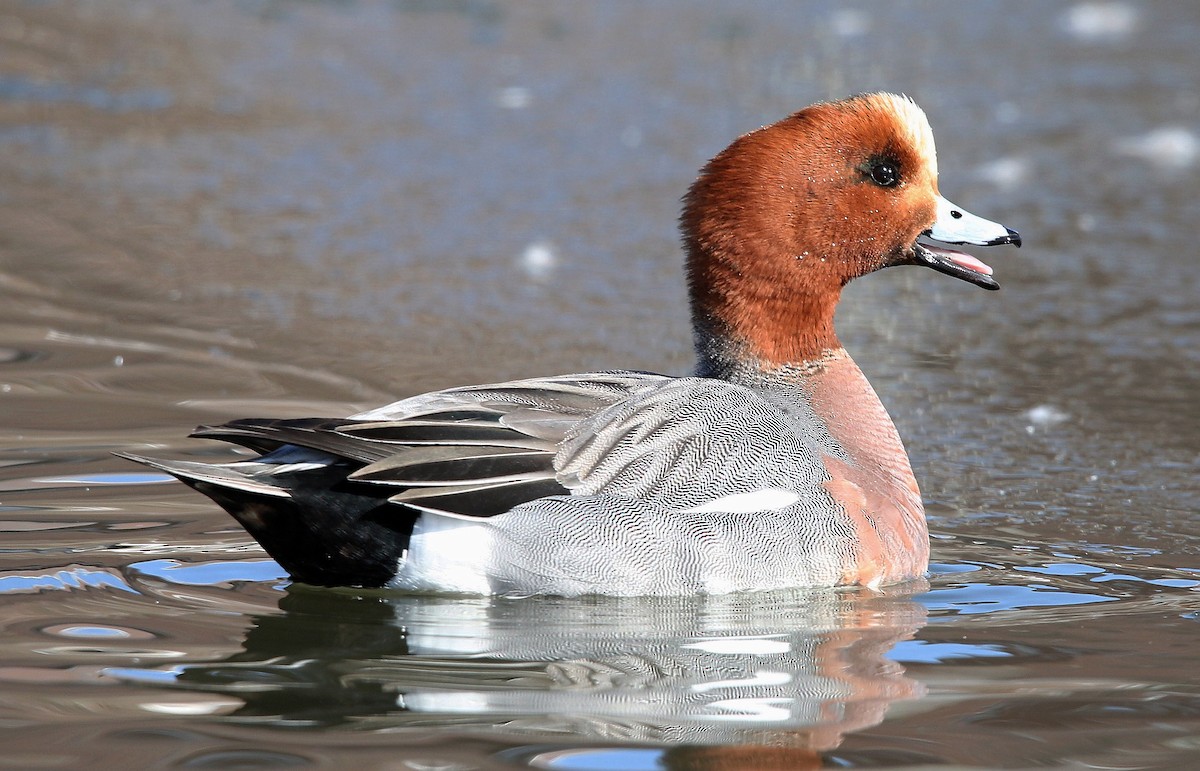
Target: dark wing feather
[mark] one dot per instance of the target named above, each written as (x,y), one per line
(453,465)
(479,500)
(322,434)
(408,432)
(474,451)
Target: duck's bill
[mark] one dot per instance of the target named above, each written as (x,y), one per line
(955,225)
(955,263)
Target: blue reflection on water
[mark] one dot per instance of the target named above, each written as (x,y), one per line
(76,578)
(1173,583)
(925,652)
(163,676)
(211,573)
(601,759)
(1103,576)
(110,478)
(974,598)
(20,89)
(93,631)
(1062,569)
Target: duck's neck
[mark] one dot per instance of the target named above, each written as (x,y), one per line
(752,372)
(762,332)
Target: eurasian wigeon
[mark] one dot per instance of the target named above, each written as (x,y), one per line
(774,465)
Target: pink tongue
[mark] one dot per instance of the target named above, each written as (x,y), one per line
(967,261)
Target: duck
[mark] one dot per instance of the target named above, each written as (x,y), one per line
(772,465)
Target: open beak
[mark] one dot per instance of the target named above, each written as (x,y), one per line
(955,225)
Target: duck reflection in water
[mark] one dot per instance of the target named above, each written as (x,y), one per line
(715,678)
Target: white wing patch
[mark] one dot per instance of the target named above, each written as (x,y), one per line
(766,499)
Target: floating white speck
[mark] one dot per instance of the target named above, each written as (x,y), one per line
(1101,21)
(514,97)
(538,260)
(1006,173)
(1007,112)
(848,22)
(1045,415)
(1168,147)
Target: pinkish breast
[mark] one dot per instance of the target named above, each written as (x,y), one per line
(875,484)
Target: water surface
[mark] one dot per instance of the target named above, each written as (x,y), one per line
(219,209)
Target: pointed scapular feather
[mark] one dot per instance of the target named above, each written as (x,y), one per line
(323,434)
(439,465)
(542,424)
(224,476)
(477,501)
(568,401)
(430,432)
(443,414)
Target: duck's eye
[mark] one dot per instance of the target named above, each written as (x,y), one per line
(884,174)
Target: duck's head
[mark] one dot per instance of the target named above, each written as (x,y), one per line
(784,217)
